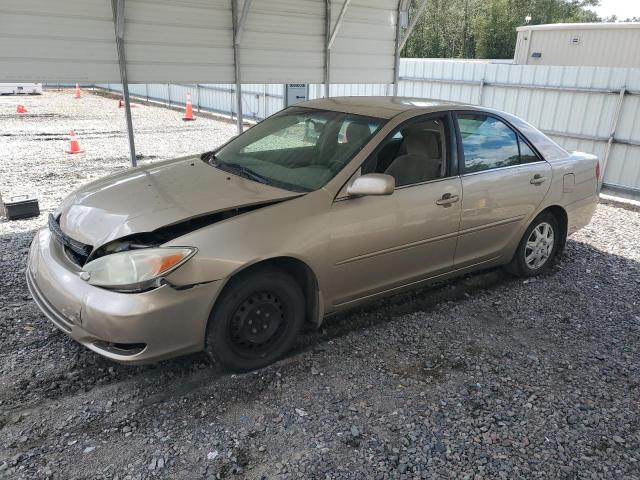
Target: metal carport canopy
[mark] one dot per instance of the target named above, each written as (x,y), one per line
(202,41)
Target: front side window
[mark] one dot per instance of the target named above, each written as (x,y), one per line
(487,143)
(415,154)
(298,149)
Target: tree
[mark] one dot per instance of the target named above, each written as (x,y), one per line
(485,28)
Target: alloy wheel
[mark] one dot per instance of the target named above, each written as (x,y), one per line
(539,246)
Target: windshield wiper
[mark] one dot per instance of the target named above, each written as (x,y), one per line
(243,171)
(210,158)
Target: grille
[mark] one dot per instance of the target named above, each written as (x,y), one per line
(78,251)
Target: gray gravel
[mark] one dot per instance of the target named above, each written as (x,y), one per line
(484,377)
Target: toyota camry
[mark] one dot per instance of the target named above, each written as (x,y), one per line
(320,207)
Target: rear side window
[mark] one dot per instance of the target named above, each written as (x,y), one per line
(487,143)
(526,154)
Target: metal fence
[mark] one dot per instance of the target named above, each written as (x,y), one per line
(592,109)
(217,98)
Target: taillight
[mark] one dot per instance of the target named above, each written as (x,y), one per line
(597,170)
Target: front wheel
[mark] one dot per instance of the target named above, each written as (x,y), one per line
(256,320)
(537,248)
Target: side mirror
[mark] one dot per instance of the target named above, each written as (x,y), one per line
(372,184)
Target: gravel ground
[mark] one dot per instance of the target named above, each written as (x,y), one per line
(484,377)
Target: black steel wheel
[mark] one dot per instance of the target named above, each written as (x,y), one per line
(256,319)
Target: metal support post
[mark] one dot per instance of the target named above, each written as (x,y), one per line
(612,132)
(264,101)
(118,23)
(402,40)
(481,92)
(413,24)
(327,51)
(396,58)
(238,20)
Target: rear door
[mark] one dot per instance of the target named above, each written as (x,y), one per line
(503,182)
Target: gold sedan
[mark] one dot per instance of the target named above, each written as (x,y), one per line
(321,207)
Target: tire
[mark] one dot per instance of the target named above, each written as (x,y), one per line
(536,251)
(256,320)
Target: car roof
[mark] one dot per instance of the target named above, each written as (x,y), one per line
(389,107)
(381,107)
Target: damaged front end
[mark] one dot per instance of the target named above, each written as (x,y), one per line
(139,262)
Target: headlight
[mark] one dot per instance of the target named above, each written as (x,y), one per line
(134,269)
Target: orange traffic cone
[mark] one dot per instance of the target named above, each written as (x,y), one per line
(188,109)
(21,109)
(74,145)
(77,94)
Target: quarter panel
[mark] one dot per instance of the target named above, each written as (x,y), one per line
(580,197)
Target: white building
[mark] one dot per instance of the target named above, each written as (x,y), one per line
(20,88)
(593,44)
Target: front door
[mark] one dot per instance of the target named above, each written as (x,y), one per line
(381,242)
(503,183)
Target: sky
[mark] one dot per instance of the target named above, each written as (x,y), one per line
(621,8)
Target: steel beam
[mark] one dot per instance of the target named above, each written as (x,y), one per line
(412,25)
(236,63)
(242,22)
(118,25)
(612,132)
(338,24)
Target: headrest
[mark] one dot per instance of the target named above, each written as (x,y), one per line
(422,142)
(357,133)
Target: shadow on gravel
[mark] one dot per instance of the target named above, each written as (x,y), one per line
(47,365)
(35,115)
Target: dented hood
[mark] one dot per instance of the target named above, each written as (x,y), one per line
(147,198)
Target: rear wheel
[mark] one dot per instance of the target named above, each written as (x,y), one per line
(537,248)
(256,320)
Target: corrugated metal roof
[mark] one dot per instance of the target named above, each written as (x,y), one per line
(192,41)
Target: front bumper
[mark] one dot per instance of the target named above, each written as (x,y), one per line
(126,327)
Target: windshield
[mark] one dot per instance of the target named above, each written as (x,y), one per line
(298,149)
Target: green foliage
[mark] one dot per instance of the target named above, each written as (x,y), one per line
(486,28)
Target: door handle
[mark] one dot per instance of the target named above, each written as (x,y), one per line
(447,199)
(537,179)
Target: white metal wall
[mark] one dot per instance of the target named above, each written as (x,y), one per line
(576,106)
(258,100)
(599,44)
